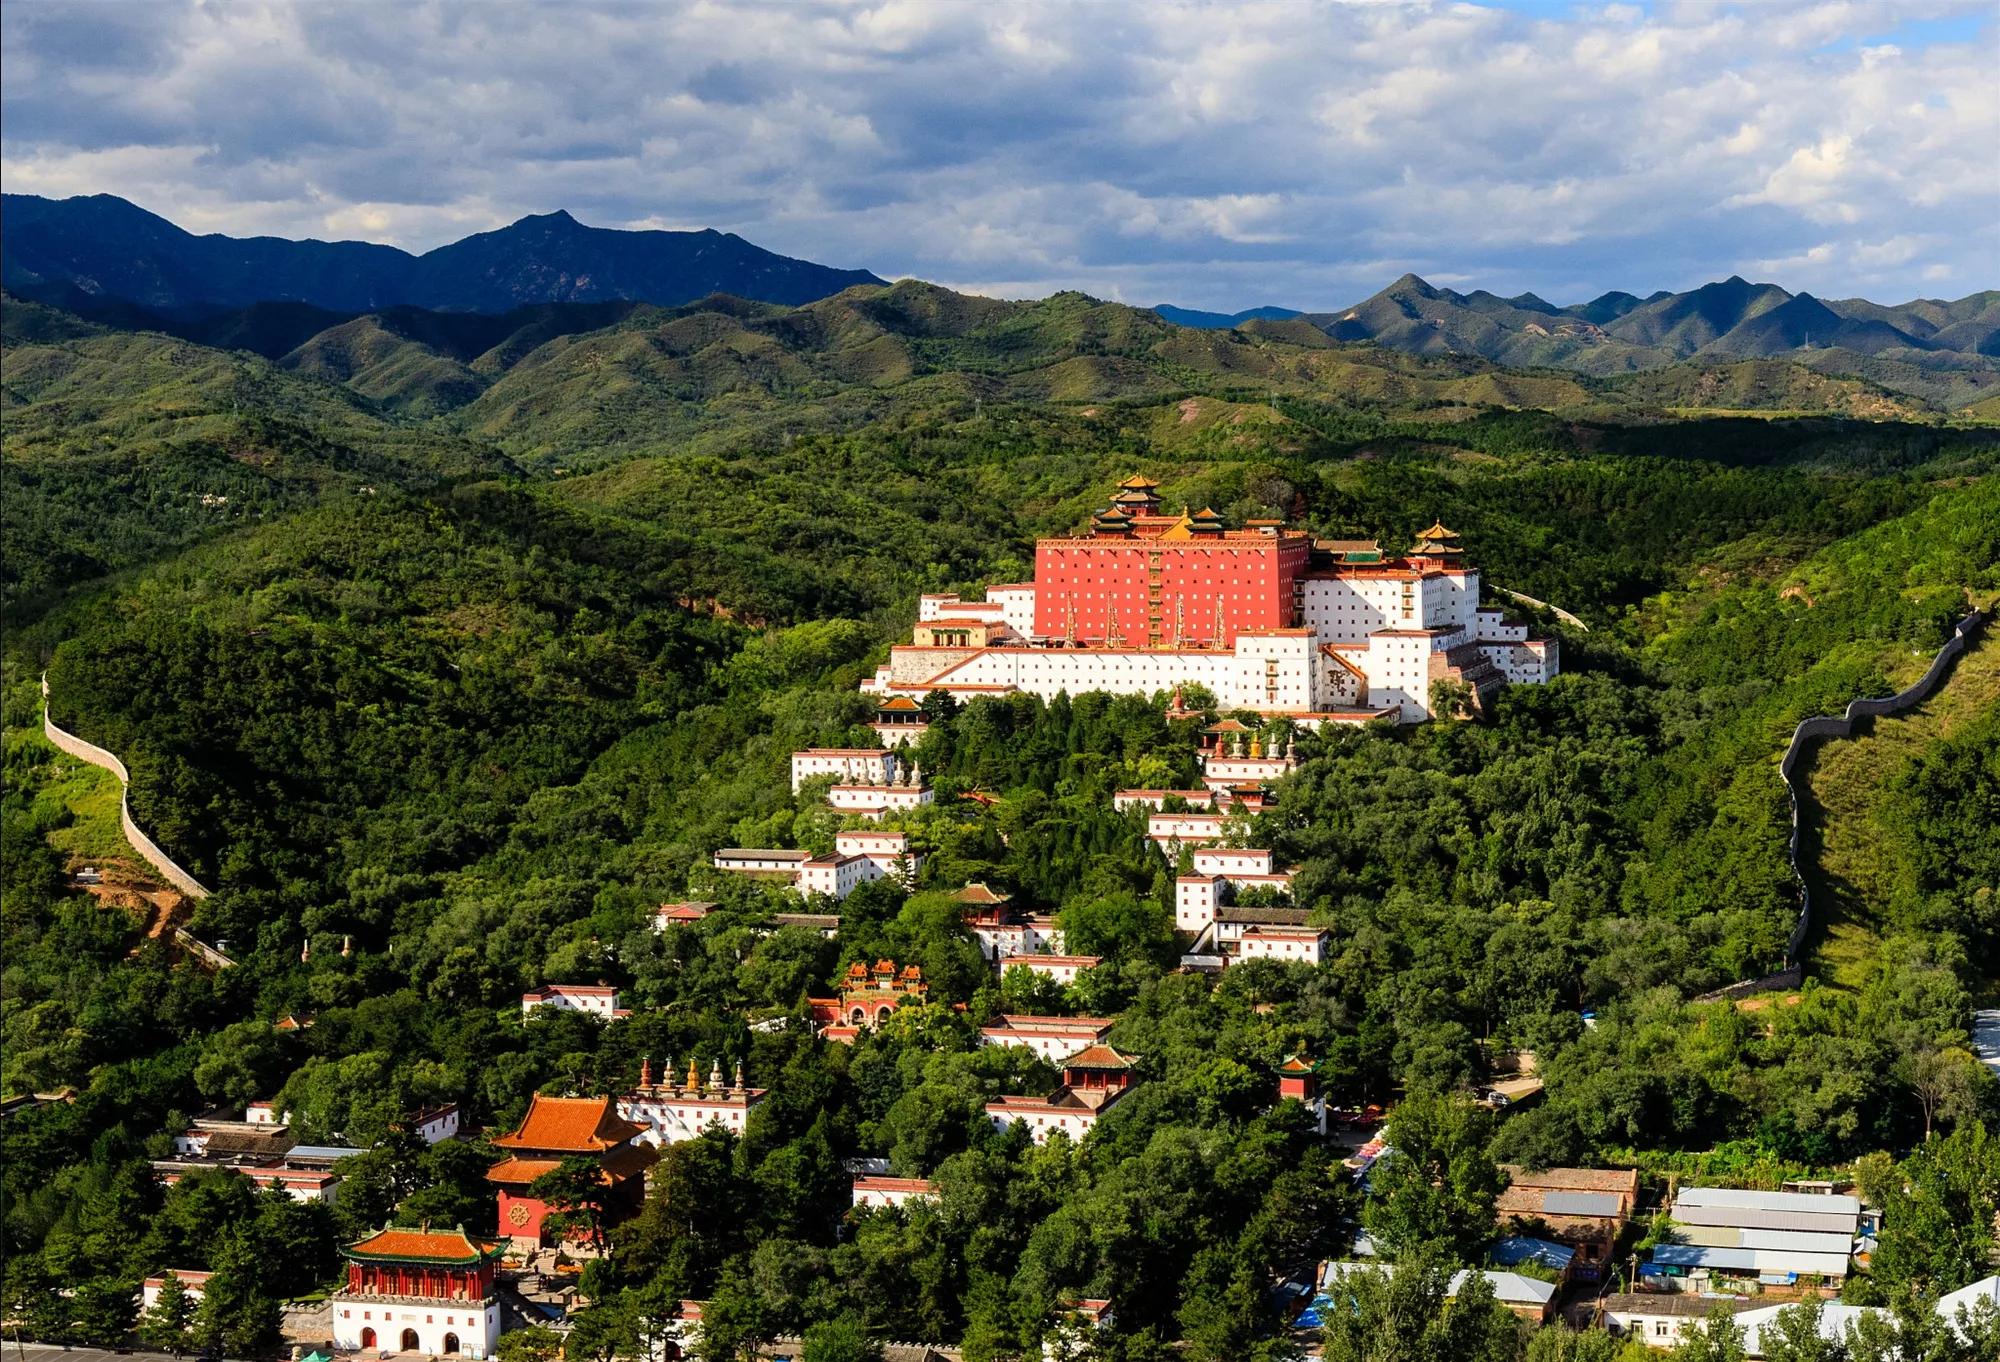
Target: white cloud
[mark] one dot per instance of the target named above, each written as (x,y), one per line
(1208,154)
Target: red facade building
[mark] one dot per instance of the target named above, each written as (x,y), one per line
(419,1291)
(559,1128)
(1146,579)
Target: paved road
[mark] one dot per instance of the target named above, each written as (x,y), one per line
(10,1351)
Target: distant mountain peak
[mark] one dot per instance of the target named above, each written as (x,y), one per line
(104,244)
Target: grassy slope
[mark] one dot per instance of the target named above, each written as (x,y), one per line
(1848,781)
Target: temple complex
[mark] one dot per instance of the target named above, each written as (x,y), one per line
(1266,618)
(418,1291)
(672,1112)
(1094,1078)
(558,1128)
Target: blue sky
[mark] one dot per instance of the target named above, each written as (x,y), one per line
(1212,155)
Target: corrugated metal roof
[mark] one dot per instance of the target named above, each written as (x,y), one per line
(1751,1260)
(1764,1220)
(1811,1203)
(1732,1236)
(1582,1203)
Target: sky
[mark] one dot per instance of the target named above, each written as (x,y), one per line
(1210,155)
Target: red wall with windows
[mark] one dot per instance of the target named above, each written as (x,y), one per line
(1250,578)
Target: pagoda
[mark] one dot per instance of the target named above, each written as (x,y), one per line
(559,1128)
(419,1291)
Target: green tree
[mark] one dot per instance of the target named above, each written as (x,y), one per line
(535,1343)
(164,1327)
(574,1189)
(1409,1313)
(1718,1338)
(103,1312)
(1438,1186)
(841,1339)
(1793,1335)
(1937,1213)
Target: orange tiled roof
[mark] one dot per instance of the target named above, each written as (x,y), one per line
(569,1125)
(1098,1057)
(426,1245)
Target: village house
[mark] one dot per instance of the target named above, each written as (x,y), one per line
(1529,1298)
(878,1191)
(860,856)
(1203,800)
(672,1112)
(1002,931)
(423,1291)
(1584,1208)
(1296,945)
(258,1146)
(680,914)
(596,1000)
(1093,1081)
(1775,1238)
(558,1128)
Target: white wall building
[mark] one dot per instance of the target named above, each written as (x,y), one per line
(1172,831)
(672,1112)
(598,1000)
(1053,1038)
(433,1124)
(1061,968)
(1300,945)
(192,1282)
(853,765)
(881,1192)
(876,801)
(1153,799)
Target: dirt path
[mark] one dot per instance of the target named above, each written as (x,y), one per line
(1847,780)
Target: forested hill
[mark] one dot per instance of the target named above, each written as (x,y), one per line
(445,700)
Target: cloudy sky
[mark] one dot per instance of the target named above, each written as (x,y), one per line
(1212,155)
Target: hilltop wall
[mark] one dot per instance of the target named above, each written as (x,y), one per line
(1813,730)
(141,843)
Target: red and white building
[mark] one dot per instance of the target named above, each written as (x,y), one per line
(860,855)
(1299,945)
(899,721)
(597,1000)
(882,1192)
(1094,1079)
(1218,872)
(559,1128)
(1064,969)
(1266,618)
(867,998)
(680,914)
(850,765)
(879,801)
(192,1282)
(425,1292)
(1053,1038)
(1172,831)
(672,1112)
(1203,799)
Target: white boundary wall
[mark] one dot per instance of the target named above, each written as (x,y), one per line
(141,843)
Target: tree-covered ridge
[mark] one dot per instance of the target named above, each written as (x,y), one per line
(475,732)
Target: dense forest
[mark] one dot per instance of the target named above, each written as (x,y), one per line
(438,723)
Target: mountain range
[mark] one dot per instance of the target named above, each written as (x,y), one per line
(101,246)
(434,331)
(1620,331)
